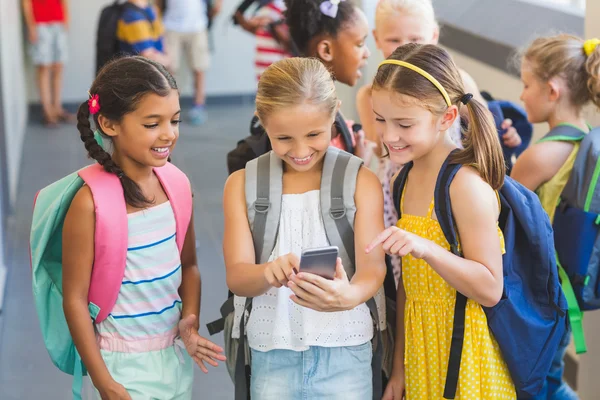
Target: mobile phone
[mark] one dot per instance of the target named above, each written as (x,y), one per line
(320,261)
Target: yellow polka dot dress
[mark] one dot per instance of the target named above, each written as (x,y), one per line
(428,319)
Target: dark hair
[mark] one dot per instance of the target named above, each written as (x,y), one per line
(482,149)
(306,21)
(120,86)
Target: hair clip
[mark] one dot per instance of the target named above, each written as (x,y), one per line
(330,7)
(94,103)
(590,45)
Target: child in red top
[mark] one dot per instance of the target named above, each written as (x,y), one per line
(47,22)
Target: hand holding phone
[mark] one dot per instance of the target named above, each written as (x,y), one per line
(320,261)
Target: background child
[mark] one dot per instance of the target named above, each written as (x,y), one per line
(336,35)
(134,352)
(140,31)
(186,23)
(47,22)
(310,337)
(560,76)
(272,35)
(414,117)
(398,22)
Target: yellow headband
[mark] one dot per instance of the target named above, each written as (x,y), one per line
(590,45)
(422,73)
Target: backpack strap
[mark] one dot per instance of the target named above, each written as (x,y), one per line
(399,184)
(110,239)
(177,187)
(564,133)
(338,185)
(338,210)
(443,211)
(264,185)
(342,128)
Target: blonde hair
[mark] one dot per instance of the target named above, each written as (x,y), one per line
(482,149)
(292,82)
(419,8)
(563,56)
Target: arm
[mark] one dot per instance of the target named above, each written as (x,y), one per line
(200,349)
(78,258)
(281,32)
(216,8)
(29,20)
(368,222)
(539,163)
(367,117)
(244,277)
(479,274)
(67,14)
(191,284)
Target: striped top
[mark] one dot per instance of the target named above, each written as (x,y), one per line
(140,29)
(148,307)
(268,49)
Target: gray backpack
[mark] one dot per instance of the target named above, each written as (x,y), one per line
(264,178)
(577,228)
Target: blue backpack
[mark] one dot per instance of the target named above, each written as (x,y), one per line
(577,228)
(530,319)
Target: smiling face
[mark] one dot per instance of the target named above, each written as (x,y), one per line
(300,135)
(349,52)
(408,129)
(146,136)
(398,29)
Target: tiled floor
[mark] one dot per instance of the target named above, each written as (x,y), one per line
(26,372)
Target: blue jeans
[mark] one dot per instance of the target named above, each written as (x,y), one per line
(330,373)
(555,388)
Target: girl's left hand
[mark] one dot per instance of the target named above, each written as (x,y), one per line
(200,349)
(396,241)
(321,294)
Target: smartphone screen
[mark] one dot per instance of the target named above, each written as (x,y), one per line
(319,261)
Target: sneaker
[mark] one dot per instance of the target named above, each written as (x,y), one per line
(197,115)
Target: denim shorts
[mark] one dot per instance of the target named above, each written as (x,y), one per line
(330,373)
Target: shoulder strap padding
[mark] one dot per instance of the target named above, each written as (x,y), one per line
(110,238)
(111,230)
(178,189)
(564,133)
(338,186)
(398,187)
(264,185)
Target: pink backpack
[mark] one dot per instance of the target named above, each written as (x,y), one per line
(110,251)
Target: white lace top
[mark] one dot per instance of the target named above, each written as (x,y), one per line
(276,322)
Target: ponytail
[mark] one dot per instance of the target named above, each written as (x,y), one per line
(482,148)
(133,194)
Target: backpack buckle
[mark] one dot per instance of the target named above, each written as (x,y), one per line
(337,210)
(262,205)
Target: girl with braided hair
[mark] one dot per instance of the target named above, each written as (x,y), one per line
(145,347)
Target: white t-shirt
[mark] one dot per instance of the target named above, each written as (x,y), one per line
(185,16)
(276,322)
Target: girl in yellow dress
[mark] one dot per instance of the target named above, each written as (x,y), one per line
(417,95)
